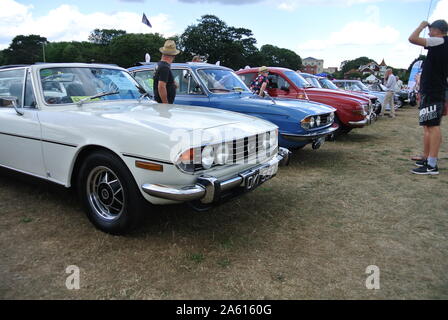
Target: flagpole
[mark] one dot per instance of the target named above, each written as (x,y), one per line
(43,50)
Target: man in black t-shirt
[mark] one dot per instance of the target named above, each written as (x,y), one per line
(164,85)
(433,86)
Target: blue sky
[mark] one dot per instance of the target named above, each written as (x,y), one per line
(333,30)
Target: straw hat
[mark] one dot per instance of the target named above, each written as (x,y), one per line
(169,48)
(263,69)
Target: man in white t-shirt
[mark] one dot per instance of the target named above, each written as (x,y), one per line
(433,87)
(390,83)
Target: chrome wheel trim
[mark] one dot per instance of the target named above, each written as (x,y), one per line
(105,193)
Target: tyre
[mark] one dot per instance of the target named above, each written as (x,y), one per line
(378,109)
(341,130)
(109,194)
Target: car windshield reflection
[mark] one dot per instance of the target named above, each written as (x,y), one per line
(222,81)
(298,80)
(75,84)
(328,84)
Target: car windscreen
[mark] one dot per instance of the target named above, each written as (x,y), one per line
(313,81)
(297,79)
(361,86)
(62,85)
(221,81)
(327,84)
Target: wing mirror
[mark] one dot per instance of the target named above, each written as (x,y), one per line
(9,102)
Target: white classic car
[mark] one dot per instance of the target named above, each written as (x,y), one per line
(92,127)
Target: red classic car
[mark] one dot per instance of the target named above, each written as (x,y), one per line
(324,83)
(351,112)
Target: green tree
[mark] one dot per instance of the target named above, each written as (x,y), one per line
(353,75)
(76,52)
(354,64)
(71,53)
(25,49)
(127,50)
(54,50)
(212,37)
(104,36)
(2,58)
(280,57)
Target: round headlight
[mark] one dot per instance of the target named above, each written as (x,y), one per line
(312,122)
(222,154)
(208,157)
(318,121)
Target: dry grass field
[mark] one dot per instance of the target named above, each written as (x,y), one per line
(309,233)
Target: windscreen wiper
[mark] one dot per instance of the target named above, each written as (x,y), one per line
(146,94)
(99,95)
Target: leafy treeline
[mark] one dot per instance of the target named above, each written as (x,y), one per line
(210,37)
(354,64)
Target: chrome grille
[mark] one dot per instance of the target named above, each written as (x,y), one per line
(248,150)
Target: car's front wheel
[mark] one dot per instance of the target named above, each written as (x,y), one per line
(109,193)
(340,131)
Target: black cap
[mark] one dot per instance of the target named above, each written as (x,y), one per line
(440,24)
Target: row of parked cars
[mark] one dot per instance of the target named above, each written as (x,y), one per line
(95,128)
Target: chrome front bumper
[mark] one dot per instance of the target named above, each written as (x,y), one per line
(209,189)
(371,118)
(368,120)
(310,136)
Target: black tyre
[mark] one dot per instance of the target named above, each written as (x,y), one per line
(341,130)
(109,194)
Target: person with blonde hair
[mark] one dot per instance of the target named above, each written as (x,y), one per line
(260,83)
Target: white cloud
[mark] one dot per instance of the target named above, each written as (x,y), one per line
(358,33)
(440,11)
(67,23)
(362,38)
(291,5)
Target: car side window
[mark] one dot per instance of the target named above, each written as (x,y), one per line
(181,80)
(277,82)
(282,83)
(352,87)
(30,99)
(186,83)
(194,86)
(11,84)
(146,80)
(247,78)
(273,81)
(339,85)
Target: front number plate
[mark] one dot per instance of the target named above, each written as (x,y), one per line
(255,178)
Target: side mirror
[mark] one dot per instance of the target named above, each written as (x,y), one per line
(9,102)
(284,88)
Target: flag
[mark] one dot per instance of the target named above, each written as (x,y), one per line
(146,21)
(416,68)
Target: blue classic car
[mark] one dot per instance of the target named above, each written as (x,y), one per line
(201,84)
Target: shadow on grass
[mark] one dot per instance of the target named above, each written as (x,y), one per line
(237,216)
(355,136)
(322,158)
